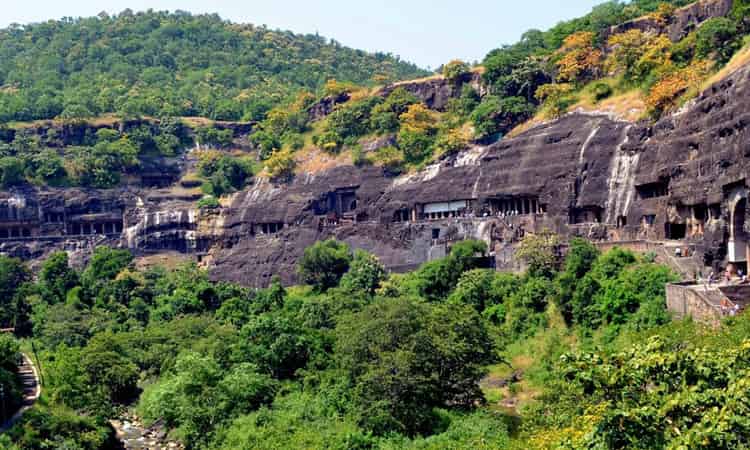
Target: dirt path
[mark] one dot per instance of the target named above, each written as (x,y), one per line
(32,389)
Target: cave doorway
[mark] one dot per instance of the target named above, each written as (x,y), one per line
(675,231)
(737,235)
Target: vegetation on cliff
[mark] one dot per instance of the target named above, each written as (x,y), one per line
(579,63)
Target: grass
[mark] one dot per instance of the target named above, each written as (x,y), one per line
(315,160)
(531,357)
(625,102)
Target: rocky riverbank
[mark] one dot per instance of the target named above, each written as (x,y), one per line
(134,435)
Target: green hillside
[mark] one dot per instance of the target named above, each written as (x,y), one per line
(170,64)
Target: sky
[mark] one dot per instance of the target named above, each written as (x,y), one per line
(426,32)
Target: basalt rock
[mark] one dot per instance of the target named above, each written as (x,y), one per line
(680,24)
(325,106)
(681,180)
(436,91)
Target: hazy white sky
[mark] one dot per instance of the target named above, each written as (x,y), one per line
(427,32)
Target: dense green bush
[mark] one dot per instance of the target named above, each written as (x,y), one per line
(719,37)
(404,358)
(223,174)
(324,263)
(199,395)
(360,359)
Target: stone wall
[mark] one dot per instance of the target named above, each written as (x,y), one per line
(684,301)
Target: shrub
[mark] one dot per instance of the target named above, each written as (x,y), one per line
(208,202)
(555,98)
(601,91)
(281,164)
(718,37)
(384,117)
(391,158)
(455,71)
(672,85)
(452,141)
(11,171)
(223,173)
(213,136)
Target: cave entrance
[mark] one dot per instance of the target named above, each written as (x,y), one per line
(675,231)
(737,236)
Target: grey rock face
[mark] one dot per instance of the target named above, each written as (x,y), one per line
(682,179)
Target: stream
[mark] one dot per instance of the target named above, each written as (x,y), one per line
(135,436)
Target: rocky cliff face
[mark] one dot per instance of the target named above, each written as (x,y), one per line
(683,21)
(436,91)
(682,179)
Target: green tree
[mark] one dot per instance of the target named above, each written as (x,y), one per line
(404,358)
(324,263)
(56,278)
(384,116)
(436,279)
(539,252)
(455,71)
(104,266)
(365,273)
(13,276)
(578,262)
(718,37)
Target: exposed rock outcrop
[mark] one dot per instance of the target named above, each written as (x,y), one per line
(325,106)
(436,91)
(683,21)
(682,179)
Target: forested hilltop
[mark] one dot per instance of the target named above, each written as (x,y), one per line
(170,64)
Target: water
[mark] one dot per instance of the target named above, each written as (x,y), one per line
(621,185)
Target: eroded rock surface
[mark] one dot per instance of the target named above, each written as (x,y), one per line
(682,179)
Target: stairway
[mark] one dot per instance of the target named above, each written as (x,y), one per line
(31,391)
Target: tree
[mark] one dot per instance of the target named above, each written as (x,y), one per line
(281,164)
(417,132)
(578,262)
(365,273)
(8,381)
(56,278)
(496,114)
(404,358)
(475,288)
(528,75)
(539,252)
(104,266)
(555,97)
(718,37)
(579,60)
(11,171)
(324,263)
(384,116)
(277,344)
(198,396)
(13,276)
(435,280)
